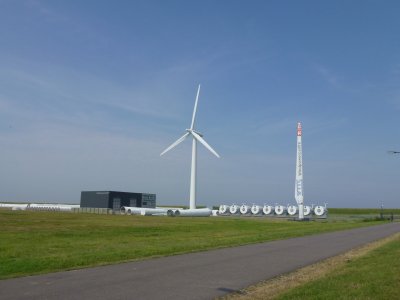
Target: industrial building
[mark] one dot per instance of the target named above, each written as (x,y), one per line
(115,200)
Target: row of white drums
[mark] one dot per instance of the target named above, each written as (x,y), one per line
(278,210)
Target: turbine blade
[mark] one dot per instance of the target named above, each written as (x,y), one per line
(201,140)
(195,108)
(177,142)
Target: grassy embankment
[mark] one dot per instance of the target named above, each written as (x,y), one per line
(375,275)
(40,242)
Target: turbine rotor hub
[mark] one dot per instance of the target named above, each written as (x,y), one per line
(191,130)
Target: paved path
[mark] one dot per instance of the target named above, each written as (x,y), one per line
(202,275)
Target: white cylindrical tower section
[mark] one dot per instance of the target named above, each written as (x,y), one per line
(193,176)
(292,210)
(15,206)
(280,210)
(256,210)
(223,209)
(171,212)
(199,212)
(234,209)
(268,210)
(245,209)
(307,210)
(319,210)
(215,212)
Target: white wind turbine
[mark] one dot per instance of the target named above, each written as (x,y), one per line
(196,137)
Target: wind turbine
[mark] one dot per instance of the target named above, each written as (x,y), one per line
(197,137)
(394,152)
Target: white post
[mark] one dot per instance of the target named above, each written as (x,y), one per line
(193,176)
(301,211)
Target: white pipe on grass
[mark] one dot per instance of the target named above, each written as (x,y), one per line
(198,212)
(13,206)
(144,211)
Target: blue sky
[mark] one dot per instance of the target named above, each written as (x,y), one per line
(91,92)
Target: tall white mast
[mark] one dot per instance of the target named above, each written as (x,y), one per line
(192,199)
(298,193)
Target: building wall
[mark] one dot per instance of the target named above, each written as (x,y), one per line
(115,200)
(95,199)
(125,199)
(149,200)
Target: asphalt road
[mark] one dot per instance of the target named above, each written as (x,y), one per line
(202,275)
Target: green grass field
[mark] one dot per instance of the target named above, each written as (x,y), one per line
(40,242)
(373,276)
(363,211)
(362,214)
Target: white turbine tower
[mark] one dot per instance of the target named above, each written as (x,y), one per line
(196,137)
(298,193)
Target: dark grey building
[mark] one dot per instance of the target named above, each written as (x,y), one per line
(115,200)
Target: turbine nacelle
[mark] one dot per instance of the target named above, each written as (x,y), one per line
(191,130)
(197,136)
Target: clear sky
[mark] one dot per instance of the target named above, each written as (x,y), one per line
(91,92)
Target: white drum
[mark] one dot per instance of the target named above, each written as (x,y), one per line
(234,209)
(280,210)
(256,210)
(319,210)
(223,209)
(267,210)
(307,210)
(292,210)
(245,209)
